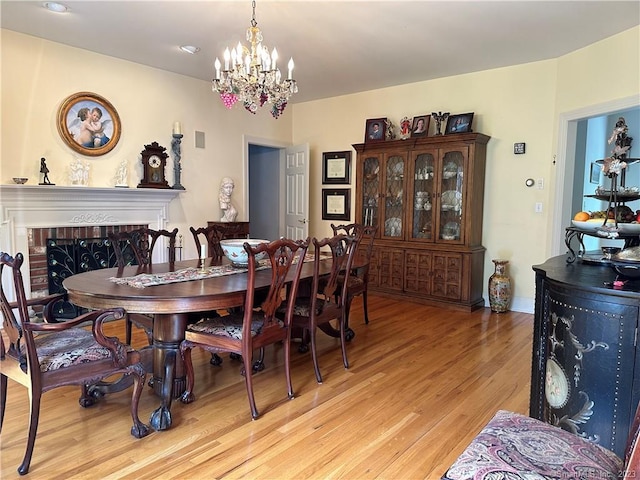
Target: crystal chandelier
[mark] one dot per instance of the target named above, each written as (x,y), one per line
(251,75)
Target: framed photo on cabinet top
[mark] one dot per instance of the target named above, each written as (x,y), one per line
(420,127)
(336,167)
(336,204)
(595,173)
(88,124)
(375,130)
(459,123)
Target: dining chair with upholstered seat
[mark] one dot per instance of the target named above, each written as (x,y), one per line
(136,247)
(242,332)
(358,278)
(323,302)
(514,446)
(211,237)
(42,355)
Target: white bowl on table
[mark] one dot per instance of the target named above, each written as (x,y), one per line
(234,250)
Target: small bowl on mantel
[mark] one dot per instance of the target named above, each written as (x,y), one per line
(234,250)
(20,180)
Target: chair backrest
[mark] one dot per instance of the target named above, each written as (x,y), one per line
(283,254)
(365,235)
(342,250)
(213,234)
(141,242)
(11,325)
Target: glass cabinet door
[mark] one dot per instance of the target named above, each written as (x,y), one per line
(451,201)
(370,191)
(393,196)
(423,170)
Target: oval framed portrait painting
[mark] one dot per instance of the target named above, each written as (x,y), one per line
(89,124)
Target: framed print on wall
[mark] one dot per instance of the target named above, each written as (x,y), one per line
(336,167)
(375,130)
(88,124)
(459,123)
(336,204)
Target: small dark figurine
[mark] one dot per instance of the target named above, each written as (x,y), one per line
(439,118)
(45,172)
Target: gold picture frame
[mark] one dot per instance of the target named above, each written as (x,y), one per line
(89,124)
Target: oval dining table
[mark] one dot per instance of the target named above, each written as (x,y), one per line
(170,304)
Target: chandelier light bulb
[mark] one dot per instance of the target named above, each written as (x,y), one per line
(274,57)
(227,57)
(290,65)
(217,67)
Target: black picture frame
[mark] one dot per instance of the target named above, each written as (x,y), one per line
(459,123)
(336,204)
(594,177)
(74,113)
(375,130)
(336,168)
(415,132)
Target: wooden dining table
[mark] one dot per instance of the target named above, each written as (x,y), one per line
(171,305)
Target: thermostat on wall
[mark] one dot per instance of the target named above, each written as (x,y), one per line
(518,148)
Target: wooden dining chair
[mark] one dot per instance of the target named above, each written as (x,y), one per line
(358,278)
(212,235)
(243,332)
(135,247)
(42,356)
(513,446)
(323,302)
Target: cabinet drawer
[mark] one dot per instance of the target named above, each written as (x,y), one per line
(417,277)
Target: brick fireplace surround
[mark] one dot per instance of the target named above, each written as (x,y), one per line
(31,214)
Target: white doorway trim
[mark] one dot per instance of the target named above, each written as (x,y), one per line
(565,161)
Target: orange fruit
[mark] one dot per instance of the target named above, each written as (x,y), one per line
(581,217)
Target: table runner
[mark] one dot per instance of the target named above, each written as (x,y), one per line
(143,280)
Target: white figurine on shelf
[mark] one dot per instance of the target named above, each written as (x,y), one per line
(122,175)
(226,189)
(79,172)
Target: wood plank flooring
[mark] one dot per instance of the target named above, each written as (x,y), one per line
(422,382)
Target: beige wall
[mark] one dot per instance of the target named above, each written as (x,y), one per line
(514,104)
(37,75)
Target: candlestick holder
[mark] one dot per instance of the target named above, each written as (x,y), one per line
(177,167)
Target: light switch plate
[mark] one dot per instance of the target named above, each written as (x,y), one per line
(518,148)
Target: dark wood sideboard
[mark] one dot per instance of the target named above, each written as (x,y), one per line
(240,229)
(585,373)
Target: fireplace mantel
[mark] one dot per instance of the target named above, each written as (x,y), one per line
(23,207)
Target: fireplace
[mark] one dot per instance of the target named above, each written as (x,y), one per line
(31,214)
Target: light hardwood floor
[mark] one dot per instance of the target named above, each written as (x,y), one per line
(422,383)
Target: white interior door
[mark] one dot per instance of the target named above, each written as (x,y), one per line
(296,174)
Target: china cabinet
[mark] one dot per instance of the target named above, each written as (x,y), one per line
(425,195)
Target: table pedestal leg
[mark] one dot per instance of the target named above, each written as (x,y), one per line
(168,372)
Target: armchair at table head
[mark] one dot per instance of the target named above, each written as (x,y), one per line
(44,356)
(243,332)
(139,245)
(358,278)
(324,302)
(505,449)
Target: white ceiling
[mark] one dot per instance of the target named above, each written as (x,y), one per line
(339,47)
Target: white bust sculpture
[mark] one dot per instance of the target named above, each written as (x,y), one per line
(226,189)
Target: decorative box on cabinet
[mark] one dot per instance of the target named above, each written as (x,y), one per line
(585,374)
(240,229)
(426,197)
